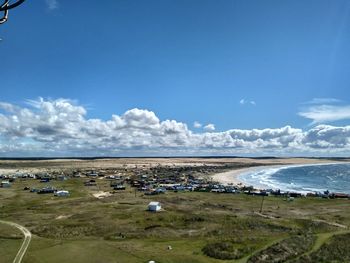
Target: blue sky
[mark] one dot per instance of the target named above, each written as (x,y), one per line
(233,64)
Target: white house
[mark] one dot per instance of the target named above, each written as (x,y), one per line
(154,206)
(62,193)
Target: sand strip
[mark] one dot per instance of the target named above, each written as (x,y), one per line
(231,177)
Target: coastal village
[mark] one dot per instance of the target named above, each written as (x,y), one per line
(152,180)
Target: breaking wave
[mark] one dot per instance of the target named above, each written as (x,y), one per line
(333,177)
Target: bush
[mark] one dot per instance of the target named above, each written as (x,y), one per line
(193,219)
(224,250)
(337,249)
(284,250)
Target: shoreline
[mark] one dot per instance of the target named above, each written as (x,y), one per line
(232,177)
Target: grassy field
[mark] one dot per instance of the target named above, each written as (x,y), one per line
(199,227)
(10,241)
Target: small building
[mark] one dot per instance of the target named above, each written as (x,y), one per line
(46,190)
(90,183)
(119,187)
(62,193)
(45,180)
(5,184)
(92,174)
(160,190)
(62,178)
(154,206)
(115,183)
(339,195)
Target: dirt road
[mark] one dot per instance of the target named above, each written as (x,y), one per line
(26,241)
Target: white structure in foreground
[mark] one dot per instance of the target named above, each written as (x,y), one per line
(154,206)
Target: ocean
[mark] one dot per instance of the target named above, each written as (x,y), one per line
(301,178)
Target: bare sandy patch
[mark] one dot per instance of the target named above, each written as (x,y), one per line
(60,217)
(101,194)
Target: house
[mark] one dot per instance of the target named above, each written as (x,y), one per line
(62,193)
(45,180)
(292,194)
(115,183)
(339,195)
(5,184)
(114,177)
(90,183)
(154,206)
(92,174)
(62,178)
(46,190)
(119,187)
(160,190)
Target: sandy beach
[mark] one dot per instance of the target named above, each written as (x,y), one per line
(231,177)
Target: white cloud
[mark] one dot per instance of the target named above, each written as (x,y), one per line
(52,4)
(328,137)
(245,101)
(323,101)
(197,125)
(61,127)
(326,113)
(209,127)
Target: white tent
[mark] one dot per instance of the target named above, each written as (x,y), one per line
(154,206)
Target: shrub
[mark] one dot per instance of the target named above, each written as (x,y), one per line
(224,250)
(284,250)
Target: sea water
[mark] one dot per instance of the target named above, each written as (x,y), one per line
(301,178)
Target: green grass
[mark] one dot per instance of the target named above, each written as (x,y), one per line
(10,242)
(81,228)
(9,249)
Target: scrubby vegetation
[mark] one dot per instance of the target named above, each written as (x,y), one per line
(226,250)
(335,250)
(284,250)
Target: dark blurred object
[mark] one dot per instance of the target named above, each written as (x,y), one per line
(5,7)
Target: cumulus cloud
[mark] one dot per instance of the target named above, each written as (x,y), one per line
(52,4)
(326,113)
(197,125)
(209,127)
(328,137)
(61,128)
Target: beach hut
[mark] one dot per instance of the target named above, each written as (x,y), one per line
(154,206)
